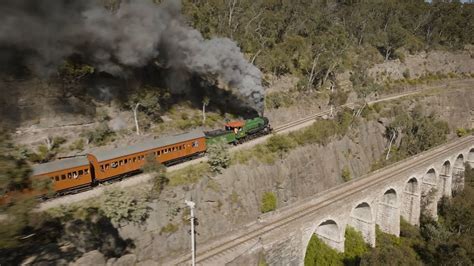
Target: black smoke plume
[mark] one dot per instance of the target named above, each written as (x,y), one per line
(137,33)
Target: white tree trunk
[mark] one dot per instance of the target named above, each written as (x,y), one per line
(203,113)
(135,115)
(390,145)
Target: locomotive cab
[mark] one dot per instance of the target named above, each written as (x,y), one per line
(235,126)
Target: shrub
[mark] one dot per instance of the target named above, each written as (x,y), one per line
(346,174)
(280,143)
(77,145)
(169,228)
(461,132)
(354,246)
(318,253)
(155,168)
(269,202)
(120,207)
(100,135)
(218,156)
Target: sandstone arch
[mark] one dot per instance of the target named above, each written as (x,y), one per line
(363,221)
(388,212)
(470,157)
(430,194)
(445,180)
(330,232)
(411,202)
(458,174)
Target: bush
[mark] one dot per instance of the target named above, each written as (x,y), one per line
(354,246)
(169,228)
(218,156)
(155,168)
(318,253)
(100,136)
(120,207)
(269,202)
(346,174)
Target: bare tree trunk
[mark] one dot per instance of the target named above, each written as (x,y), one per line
(255,56)
(203,113)
(312,76)
(390,145)
(231,11)
(49,143)
(329,71)
(135,115)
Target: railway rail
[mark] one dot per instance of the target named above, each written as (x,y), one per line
(293,125)
(219,249)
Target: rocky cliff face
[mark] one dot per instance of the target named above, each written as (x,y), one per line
(233,198)
(425,63)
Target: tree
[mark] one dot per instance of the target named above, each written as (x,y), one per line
(218,156)
(146,99)
(205,102)
(155,168)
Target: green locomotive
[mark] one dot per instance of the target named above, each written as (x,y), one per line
(239,131)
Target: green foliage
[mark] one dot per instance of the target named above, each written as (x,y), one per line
(346,174)
(149,99)
(189,175)
(169,228)
(218,156)
(277,100)
(121,207)
(461,132)
(419,133)
(100,135)
(15,176)
(390,250)
(160,178)
(280,144)
(319,254)
(354,247)
(318,39)
(77,145)
(269,202)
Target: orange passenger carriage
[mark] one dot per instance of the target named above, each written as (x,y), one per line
(65,175)
(109,164)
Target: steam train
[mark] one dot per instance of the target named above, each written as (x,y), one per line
(73,175)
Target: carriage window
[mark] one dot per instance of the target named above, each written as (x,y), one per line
(134,159)
(107,166)
(195,143)
(57,178)
(75,175)
(81,172)
(52,178)
(63,177)
(86,171)
(114,165)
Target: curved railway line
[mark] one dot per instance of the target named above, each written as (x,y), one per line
(220,249)
(287,127)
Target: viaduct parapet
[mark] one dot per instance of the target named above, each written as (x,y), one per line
(380,198)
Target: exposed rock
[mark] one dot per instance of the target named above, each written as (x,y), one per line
(90,258)
(126,260)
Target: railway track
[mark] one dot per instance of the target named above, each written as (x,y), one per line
(93,192)
(218,250)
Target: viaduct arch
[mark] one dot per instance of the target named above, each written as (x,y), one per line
(381,198)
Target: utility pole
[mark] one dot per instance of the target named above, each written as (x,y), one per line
(191,205)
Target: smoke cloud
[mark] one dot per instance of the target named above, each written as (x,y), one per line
(136,34)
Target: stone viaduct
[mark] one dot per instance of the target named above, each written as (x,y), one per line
(380,198)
